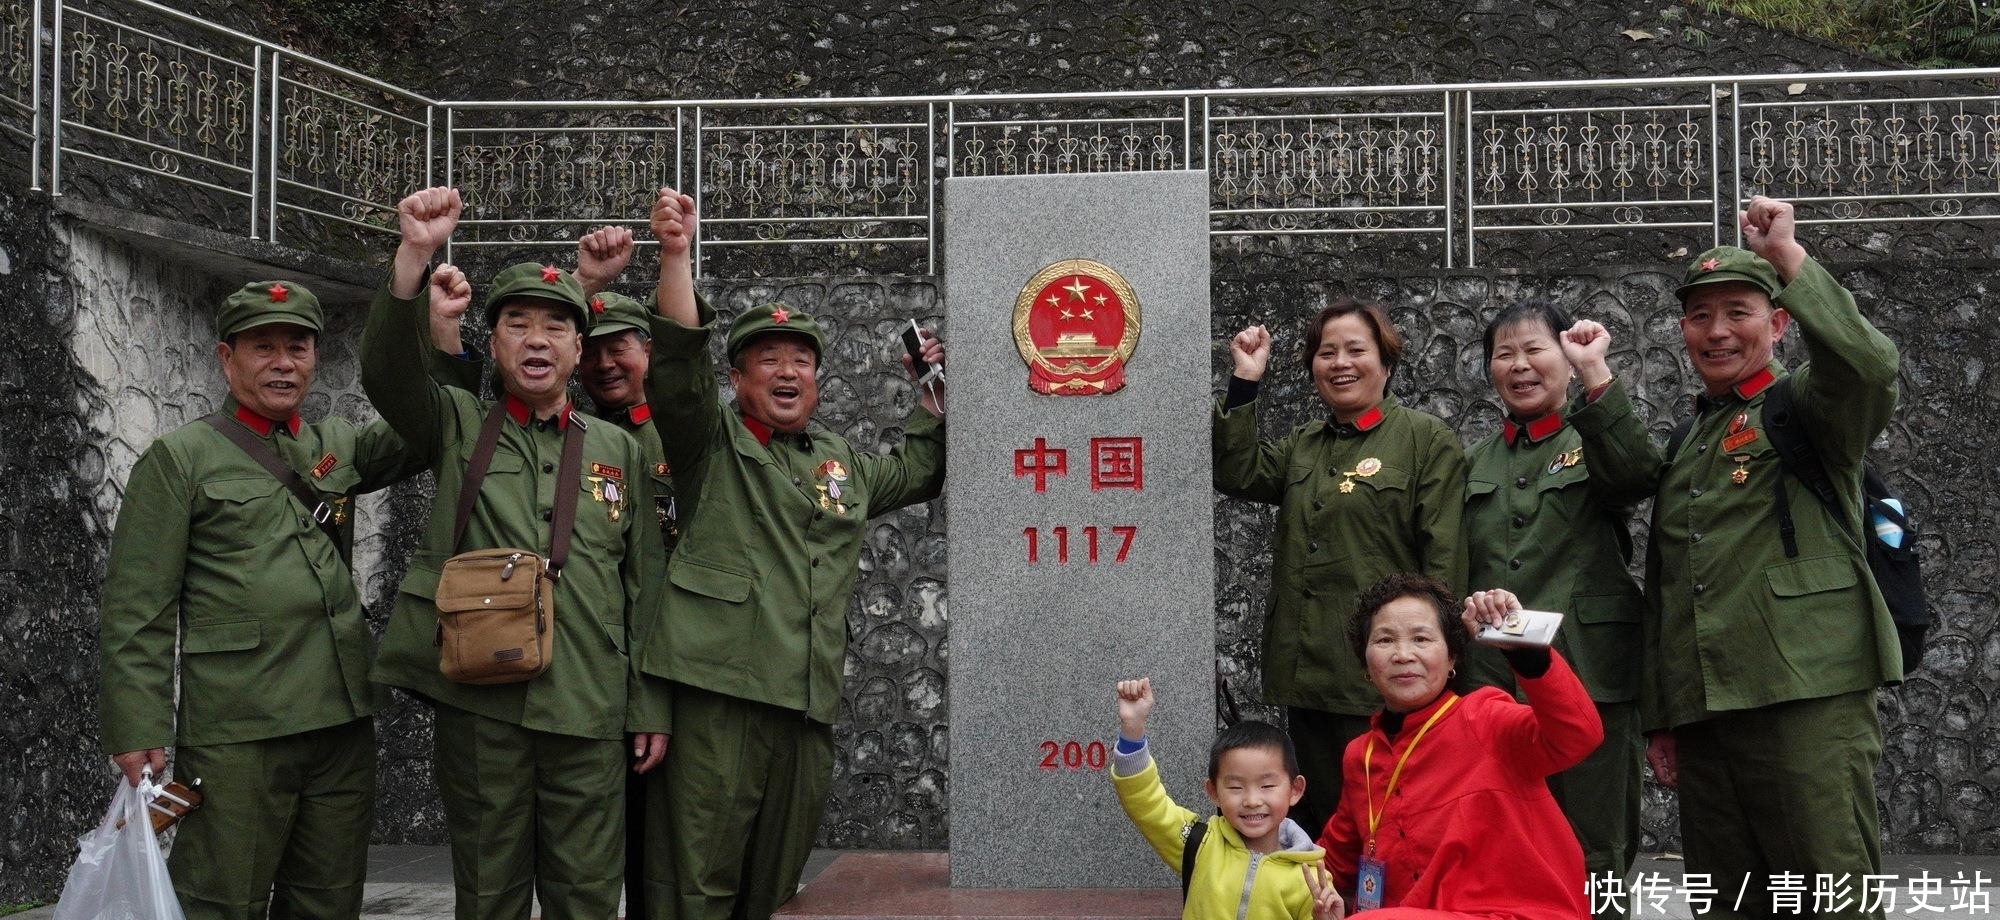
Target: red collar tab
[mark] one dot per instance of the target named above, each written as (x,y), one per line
(523,414)
(1367,421)
(278,292)
(1536,430)
(1756,383)
(637,415)
(551,274)
(263,426)
(758,429)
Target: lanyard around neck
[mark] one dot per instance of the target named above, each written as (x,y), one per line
(1368,757)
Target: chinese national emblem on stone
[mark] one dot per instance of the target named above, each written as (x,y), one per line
(1076,322)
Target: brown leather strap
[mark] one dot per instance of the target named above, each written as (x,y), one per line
(475,471)
(569,480)
(315,507)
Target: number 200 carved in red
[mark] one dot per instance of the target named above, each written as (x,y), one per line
(1073,755)
(1124,533)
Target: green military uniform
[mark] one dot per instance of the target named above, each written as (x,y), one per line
(757,629)
(1547,507)
(275,702)
(1765,665)
(532,773)
(1356,502)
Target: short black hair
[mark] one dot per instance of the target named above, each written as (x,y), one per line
(1524,311)
(1252,734)
(1373,598)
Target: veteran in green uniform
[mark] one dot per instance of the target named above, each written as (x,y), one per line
(775,509)
(1375,489)
(531,773)
(616,353)
(275,707)
(1548,502)
(1762,664)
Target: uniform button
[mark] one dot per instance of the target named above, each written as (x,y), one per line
(1694,538)
(818,514)
(1521,483)
(815,562)
(1520,521)
(1694,493)
(1700,588)
(1514,564)
(548,467)
(547,515)
(1310,594)
(795,480)
(1312,547)
(1333,471)
(1701,448)
(1319,505)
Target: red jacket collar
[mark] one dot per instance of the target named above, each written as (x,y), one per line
(523,414)
(1537,430)
(263,426)
(759,430)
(1756,383)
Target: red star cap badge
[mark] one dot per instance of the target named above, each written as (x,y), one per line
(1709,265)
(596,304)
(780,317)
(551,274)
(278,292)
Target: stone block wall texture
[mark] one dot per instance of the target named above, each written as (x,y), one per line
(76,413)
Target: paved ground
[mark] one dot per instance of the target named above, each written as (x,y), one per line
(414,883)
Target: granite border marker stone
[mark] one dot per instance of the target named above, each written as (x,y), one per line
(1037,646)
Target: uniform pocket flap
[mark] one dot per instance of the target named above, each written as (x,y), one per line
(499,579)
(709,581)
(222,637)
(1480,487)
(1811,576)
(240,490)
(1563,478)
(1386,479)
(341,480)
(1608,608)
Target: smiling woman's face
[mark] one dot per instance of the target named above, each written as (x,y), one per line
(1347,370)
(1408,659)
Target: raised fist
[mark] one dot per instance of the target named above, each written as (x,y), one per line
(1135,706)
(428,217)
(1251,351)
(673,222)
(451,293)
(1587,345)
(1770,230)
(601,255)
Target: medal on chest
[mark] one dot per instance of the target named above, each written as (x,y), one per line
(607,487)
(1565,460)
(1741,474)
(829,476)
(1364,469)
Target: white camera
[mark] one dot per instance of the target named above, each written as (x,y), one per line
(1521,629)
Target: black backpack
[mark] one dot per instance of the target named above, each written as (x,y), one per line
(1195,832)
(1897,570)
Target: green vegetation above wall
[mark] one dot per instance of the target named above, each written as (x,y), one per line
(1926,33)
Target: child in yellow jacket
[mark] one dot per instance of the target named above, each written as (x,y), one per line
(1252,862)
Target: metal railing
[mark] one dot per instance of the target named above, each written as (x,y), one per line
(1453,174)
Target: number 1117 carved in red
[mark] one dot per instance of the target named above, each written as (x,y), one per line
(1124,533)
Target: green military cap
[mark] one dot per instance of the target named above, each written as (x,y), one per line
(546,282)
(611,313)
(1728,263)
(775,316)
(261,303)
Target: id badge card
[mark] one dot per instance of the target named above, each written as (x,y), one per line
(1368,889)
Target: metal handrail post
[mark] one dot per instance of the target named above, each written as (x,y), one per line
(256,129)
(1450,176)
(696,241)
(277,140)
(35,98)
(931,188)
(55,103)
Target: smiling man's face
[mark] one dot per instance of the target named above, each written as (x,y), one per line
(270,368)
(535,348)
(775,380)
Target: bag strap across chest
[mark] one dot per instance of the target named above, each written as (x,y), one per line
(315,507)
(568,483)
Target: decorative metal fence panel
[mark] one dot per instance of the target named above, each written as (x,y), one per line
(1461,174)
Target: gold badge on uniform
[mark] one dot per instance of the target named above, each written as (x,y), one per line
(607,486)
(660,469)
(1364,469)
(339,503)
(1741,474)
(830,475)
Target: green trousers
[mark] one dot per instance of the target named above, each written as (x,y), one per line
(1600,797)
(732,813)
(283,826)
(1321,741)
(1783,788)
(530,814)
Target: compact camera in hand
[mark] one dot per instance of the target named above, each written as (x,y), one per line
(1521,629)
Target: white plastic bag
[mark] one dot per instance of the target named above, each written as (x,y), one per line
(119,873)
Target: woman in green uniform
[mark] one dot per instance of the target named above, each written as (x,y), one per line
(1376,487)
(1548,504)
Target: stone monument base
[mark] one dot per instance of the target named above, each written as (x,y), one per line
(917,886)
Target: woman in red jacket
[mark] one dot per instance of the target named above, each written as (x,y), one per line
(1444,810)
